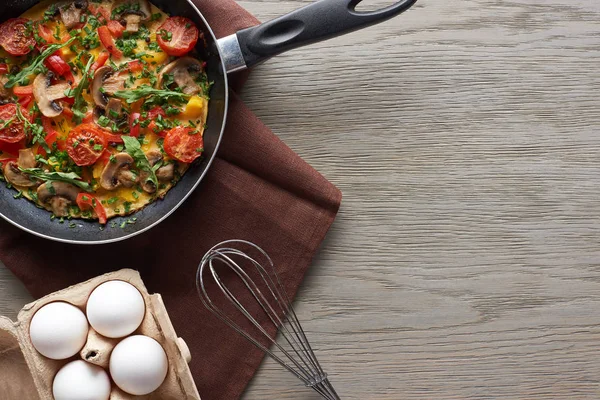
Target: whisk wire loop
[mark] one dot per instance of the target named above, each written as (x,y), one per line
(298,358)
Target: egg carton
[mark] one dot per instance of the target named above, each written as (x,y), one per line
(26,374)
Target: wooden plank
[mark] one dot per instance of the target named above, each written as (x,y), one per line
(465,260)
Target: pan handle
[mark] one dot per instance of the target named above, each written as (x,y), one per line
(315,22)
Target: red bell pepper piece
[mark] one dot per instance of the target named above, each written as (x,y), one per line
(3,69)
(86,201)
(115,28)
(23,90)
(100,61)
(134,125)
(108,42)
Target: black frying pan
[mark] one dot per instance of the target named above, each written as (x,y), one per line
(318,21)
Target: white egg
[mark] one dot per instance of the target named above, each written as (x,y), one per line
(79,380)
(138,365)
(58,330)
(115,309)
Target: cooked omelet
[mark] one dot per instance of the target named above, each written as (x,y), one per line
(103,105)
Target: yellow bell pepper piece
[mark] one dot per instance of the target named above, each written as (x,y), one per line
(194,108)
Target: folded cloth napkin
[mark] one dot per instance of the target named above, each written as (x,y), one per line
(257,189)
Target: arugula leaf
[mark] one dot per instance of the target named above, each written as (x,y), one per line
(70,177)
(143,91)
(133,148)
(80,106)
(37,64)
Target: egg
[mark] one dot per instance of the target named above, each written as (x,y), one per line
(58,330)
(138,365)
(115,309)
(79,380)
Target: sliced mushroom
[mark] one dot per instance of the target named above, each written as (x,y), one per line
(131,13)
(26,159)
(184,71)
(59,196)
(13,174)
(45,94)
(4,92)
(166,173)
(106,82)
(72,11)
(118,173)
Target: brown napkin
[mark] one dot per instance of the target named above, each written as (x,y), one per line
(257,189)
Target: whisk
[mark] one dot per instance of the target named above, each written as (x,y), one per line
(232,269)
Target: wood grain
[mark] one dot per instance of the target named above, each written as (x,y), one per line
(465,262)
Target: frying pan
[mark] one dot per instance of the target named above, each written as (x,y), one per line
(318,21)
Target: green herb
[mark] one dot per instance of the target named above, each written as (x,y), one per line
(70,177)
(133,148)
(165,35)
(131,96)
(80,105)
(36,66)
(103,121)
(156,17)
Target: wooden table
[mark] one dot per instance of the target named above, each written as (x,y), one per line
(465,261)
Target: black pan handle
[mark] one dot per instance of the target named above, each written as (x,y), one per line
(315,22)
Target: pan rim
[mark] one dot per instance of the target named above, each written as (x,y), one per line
(185,197)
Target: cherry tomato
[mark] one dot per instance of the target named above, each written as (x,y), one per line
(25,101)
(184,144)
(23,90)
(3,69)
(5,161)
(134,124)
(177,36)
(108,42)
(100,61)
(12,148)
(85,144)
(15,131)
(15,38)
(86,201)
(115,28)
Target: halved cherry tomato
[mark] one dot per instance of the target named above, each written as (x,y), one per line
(25,101)
(23,90)
(112,138)
(134,124)
(3,69)
(86,201)
(15,131)
(184,144)
(108,42)
(135,66)
(15,38)
(85,144)
(115,28)
(5,161)
(100,61)
(177,36)
(12,148)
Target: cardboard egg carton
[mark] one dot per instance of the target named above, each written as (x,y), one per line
(26,374)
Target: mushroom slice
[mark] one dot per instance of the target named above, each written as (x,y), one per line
(106,82)
(14,175)
(183,70)
(72,11)
(59,196)
(131,13)
(4,92)
(45,94)
(118,173)
(166,173)
(26,159)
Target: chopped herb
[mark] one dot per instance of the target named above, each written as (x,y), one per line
(132,145)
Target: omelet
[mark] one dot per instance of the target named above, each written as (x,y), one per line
(103,105)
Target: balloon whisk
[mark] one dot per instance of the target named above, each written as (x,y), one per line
(237,281)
